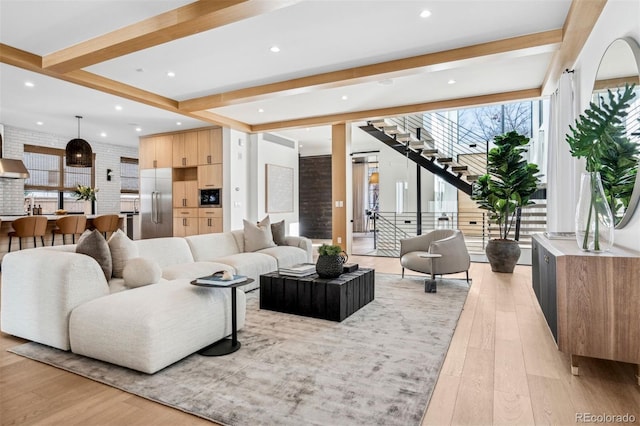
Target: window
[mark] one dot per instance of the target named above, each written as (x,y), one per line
(129,185)
(51,183)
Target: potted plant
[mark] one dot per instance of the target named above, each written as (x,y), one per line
(600,137)
(506,187)
(330,261)
(86,194)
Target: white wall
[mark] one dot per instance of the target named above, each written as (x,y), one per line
(620,18)
(261,152)
(107,157)
(236,177)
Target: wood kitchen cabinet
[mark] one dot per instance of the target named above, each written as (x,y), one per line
(597,299)
(209,220)
(210,176)
(210,146)
(185,193)
(185,222)
(185,149)
(155,152)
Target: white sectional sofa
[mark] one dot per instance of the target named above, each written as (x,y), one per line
(60,298)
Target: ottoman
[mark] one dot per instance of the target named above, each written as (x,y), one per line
(151,327)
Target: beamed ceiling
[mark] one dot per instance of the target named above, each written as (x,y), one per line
(338,61)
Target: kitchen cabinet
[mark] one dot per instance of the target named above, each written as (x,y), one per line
(155,152)
(185,222)
(210,176)
(209,220)
(597,299)
(210,146)
(185,193)
(185,149)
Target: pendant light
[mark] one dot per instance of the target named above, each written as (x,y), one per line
(78,151)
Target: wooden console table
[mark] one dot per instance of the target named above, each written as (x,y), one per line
(591,301)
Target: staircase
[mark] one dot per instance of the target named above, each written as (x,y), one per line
(445,149)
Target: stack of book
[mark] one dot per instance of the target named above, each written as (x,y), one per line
(299,270)
(220,278)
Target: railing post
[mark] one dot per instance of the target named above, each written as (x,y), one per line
(419,200)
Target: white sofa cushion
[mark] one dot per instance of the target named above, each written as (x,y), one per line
(151,327)
(194,270)
(251,264)
(286,255)
(122,249)
(166,251)
(209,247)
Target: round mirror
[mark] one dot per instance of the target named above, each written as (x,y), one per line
(620,66)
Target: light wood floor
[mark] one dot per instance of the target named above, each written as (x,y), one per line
(502,368)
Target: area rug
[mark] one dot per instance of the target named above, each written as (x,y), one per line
(378,366)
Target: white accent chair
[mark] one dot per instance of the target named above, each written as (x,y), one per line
(449,243)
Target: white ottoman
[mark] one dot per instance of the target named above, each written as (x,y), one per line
(151,327)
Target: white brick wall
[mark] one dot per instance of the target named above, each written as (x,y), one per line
(107,157)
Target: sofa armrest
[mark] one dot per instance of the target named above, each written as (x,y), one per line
(41,287)
(303,243)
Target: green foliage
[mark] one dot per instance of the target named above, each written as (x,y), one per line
(509,183)
(600,136)
(85,193)
(329,250)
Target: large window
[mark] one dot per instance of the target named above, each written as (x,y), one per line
(51,183)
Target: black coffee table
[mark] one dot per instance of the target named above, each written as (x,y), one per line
(225,346)
(333,299)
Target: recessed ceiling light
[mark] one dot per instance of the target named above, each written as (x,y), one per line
(138,129)
(103,134)
(260,110)
(39,123)
(274,49)
(178,123)
(139,69)
(452,81)
(344,97)
(425,13)
(29,84)
(118,107)
(171,74)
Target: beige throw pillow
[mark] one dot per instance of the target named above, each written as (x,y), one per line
(141,271)
(257,237)
(122,249)
(93,244)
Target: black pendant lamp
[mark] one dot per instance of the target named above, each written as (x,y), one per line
(78,151)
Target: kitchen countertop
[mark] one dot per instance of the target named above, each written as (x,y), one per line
(10,218)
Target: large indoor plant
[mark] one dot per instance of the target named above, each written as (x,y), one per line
(330,261)
(509,182)
(599,135)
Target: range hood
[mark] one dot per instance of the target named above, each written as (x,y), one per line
(10,168)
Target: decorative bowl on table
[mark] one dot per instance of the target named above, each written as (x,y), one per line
(60,212)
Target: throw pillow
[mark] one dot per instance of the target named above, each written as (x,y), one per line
(277,230)
(93,244)
(141,271)
(122,249)
(257,237)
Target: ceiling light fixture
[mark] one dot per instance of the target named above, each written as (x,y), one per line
(103,134)
(260,110)
(118,107)
(345,97)
(78,151)
(171,74)
(178,123)
(425,13)
(29,84)
(452,81)
(39,123)
(138,129)
(274,49)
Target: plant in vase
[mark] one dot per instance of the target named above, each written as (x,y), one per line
(330,261)
(508,184)
(86,194)
(600,137)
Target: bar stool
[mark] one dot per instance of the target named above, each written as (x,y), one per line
(106,223)
(73,225)
(31,226)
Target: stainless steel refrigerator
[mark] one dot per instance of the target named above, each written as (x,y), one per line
(156,208)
